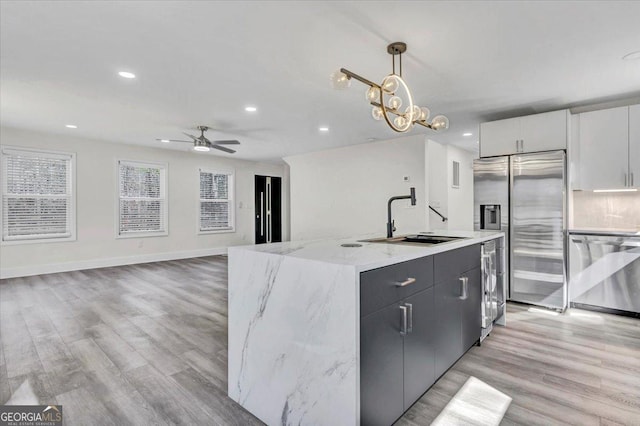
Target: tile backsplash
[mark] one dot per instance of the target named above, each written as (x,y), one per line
(606,210)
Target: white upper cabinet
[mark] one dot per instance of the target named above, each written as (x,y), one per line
(499,137)
(604,149)
(532,133)
(634,145)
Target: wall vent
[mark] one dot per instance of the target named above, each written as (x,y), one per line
(456,175)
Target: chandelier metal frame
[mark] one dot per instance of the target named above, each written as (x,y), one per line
(397,49)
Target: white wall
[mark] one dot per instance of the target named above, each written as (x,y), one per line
(96,188)
(436,164)
(343,192)
(454,203)
(460,200)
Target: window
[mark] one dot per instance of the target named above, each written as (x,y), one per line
(37,195)
(143,199)
(216,202)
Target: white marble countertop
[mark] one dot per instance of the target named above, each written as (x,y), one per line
(369,255)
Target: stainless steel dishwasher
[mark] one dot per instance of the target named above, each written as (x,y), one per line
(605,271)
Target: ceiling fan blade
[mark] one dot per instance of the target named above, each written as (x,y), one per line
(173,140)
(191,136)
(222,148)
(229,142)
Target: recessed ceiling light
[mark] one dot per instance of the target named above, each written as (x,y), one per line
(250,109)
(631,56)
(467,134)
(126,74)
(165,140)
(323,129)
(71,126)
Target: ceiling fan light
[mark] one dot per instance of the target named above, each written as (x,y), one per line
(201,148)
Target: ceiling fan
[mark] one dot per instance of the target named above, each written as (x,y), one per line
(201,143)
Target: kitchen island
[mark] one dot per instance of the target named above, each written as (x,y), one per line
(296,314)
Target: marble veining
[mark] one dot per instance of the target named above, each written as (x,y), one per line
(294,328)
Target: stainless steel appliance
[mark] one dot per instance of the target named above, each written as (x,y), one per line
(605,271)
(489,288)
(530,190)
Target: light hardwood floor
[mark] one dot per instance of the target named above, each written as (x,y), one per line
(147,344)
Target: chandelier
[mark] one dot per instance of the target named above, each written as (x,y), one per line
(389,97)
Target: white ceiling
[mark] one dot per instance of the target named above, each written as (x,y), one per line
(203,62)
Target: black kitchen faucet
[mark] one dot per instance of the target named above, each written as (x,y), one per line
(390,223)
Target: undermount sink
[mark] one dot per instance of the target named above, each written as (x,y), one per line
(415,239)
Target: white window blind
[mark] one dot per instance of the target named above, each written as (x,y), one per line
(37,195)
(143,206)
(216,201)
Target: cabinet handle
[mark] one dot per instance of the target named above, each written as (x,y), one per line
(406,282)
(403,330)
(631,179)
(410,322)
(626,181)
(464,292)
(517,145)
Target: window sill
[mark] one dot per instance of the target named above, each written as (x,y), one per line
(142,235)
(37,241)
(217,231)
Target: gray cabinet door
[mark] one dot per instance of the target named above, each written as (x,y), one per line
(419,362)
(448,335)
(381,367)
(471,309)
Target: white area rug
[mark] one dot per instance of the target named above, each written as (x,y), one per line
(476,403)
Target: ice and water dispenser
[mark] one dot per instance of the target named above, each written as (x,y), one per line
(490,217)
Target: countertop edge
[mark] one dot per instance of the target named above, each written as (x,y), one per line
(362,265)
(429,251)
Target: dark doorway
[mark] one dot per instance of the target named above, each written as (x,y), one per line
(268,209)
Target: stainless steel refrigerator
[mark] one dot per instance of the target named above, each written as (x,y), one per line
(524,195)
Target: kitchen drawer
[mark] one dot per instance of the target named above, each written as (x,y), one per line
(451,264)
(380,287)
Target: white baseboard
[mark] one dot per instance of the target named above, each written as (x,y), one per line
(25,271)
